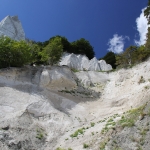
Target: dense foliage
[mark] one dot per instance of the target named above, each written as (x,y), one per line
(14,53)
(53,51)
(83,47)
(18,53)
(110,58)
(132,55)
(147,15)
(80,46)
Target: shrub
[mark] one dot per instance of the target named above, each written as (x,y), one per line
(85,145)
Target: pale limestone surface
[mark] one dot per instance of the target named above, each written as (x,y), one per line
(11,26)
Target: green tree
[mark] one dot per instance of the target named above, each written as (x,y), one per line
(35,53)
(120,61)
(80,46)
(142,53)
(110,59)
(129,54)
(53,51)
(65,43)
(147,15)
(21,53)
(147,12)
(132,55)
(83,47)
(5,51)
(13,53)
(147,44)
(127,57)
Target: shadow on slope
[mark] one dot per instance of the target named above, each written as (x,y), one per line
(63,90)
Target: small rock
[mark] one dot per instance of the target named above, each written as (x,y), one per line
(6,128)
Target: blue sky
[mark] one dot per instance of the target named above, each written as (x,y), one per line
(106,24)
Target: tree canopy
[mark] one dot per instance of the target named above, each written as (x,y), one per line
(80,46)
(83,47)
(18,53)
(110,59)
(132,55)
(14,53)
(53,51)
(147,12)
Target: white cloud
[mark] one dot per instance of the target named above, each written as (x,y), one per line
(116,44)
(142,27)
(127,37)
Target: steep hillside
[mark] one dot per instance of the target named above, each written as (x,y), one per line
(49,108)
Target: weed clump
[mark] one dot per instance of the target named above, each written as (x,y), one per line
(85,145)
(40,134)
(141,80)
(76,133)
(92,124)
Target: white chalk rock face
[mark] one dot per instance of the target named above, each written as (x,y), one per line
(98,77)
(81,62)
(58,77)
(109,67)
(104,66)
(11,27)
(44,78)
(89,78)
(71,60)
(84,61)
(94,65)
(83,76)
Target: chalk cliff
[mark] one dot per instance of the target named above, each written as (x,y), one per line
(53,108)
(11,27)
(81,62)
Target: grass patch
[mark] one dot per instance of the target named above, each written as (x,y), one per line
(76,133)
(103,144)
(146,87)
(40,134)
(74,70)
(148,112)
(129,119)
(60,148)
(85,145)
(141,80)
(92,124)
